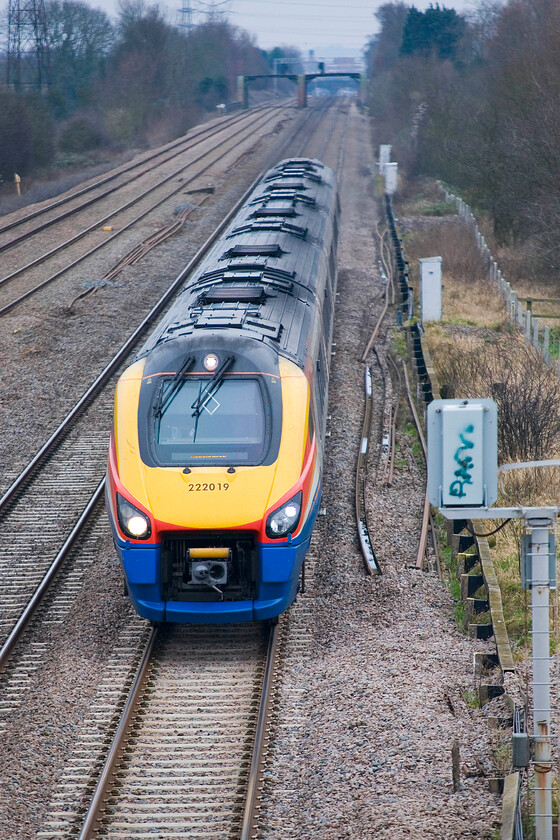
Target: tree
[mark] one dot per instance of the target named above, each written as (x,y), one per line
(435,32)
(79,40)
(385,48)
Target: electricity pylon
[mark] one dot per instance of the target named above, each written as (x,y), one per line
(28,54)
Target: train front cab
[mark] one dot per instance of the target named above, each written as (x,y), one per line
(264,569)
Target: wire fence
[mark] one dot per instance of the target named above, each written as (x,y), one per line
(520,309)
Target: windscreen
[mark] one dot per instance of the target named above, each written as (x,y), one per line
(225,425)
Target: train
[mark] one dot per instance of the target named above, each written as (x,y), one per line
(216,455)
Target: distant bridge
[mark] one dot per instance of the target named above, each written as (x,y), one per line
(301,80)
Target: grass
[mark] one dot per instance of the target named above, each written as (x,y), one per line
(454,585)
(414,442)
(421,197)
(398,344)
(474,321)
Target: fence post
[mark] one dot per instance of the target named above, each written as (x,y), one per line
(528,326)
(513,307)
(536,333)
(546,343)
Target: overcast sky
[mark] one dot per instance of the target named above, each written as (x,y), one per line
(305,24)
(313,24)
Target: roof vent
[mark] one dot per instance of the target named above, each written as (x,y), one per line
(273,250)
(233,294)
(287,185)
(285,211)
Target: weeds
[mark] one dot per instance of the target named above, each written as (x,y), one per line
(414,442)
(471,698)
(516,377)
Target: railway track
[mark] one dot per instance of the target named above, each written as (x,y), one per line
(26,280)
(124,175)
(186,754)
(69,449)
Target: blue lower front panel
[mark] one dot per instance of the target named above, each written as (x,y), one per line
(279,565)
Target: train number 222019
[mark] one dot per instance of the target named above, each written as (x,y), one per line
(202,488)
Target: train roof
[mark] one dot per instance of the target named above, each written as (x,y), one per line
(266,273)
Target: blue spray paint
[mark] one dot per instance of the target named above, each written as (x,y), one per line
(465,465)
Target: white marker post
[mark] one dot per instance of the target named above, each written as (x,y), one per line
(391,178)
(384,157)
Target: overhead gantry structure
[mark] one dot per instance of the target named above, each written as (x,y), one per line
(301,80)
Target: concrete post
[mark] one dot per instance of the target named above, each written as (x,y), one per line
(242,91)
(546,343)
(536,333)
(302,91)
(513,307)
(528,325)
(363,89)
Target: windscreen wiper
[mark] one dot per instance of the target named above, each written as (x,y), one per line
(211,387)
(173,386)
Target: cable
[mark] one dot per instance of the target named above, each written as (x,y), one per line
(471,530)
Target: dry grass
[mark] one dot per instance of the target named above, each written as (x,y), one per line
(468,296)
(476,354)
(481,363)
(532,487)
(477,359)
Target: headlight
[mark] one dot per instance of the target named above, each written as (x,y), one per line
(133,522)
(285,520)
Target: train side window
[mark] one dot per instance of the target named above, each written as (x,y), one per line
(332,267)
(321,381)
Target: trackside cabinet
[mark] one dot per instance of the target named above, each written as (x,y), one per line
(462,453)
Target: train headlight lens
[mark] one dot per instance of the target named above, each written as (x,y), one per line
(133,522)
(211,362)
(285,520)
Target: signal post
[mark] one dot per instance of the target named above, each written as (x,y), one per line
(462,483)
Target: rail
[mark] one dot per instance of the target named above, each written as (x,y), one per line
(97,801)
(248,828)
(99,222)
(366,547)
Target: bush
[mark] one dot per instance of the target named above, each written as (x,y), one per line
(80,135)
(26,134)
(525,388)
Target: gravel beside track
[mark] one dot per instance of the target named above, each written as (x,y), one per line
(364,728)
(372,667)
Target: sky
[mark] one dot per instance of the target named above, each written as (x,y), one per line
(329,27)
(315,24)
